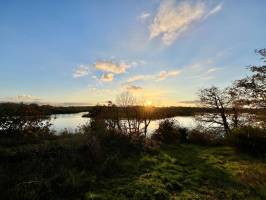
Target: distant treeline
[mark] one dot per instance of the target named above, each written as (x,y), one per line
(153,112)
(15,109)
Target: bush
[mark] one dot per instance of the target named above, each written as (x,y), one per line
(250,140)
(205,137)
(168,132)
(197,137)
(23,119)
(113,140)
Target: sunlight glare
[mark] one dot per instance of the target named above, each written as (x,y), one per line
(148,103)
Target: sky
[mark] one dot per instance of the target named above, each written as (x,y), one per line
(86,52)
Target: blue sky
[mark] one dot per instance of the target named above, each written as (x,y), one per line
(90,51)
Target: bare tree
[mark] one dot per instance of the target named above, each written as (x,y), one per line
(216,99)
(113,121)
(127,102)
(235,103)
(137,116)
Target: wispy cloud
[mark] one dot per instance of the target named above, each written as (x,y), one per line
(209,74)
(107,77)
(202,70)
(133,88)
(144,15)
(172,19)
(162,75)
(211,70)
(81,71)
(216,9)
(140,78)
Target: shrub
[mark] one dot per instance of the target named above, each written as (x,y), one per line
(250,140)
(200,138)
(168,132)
(206,137)
(23,119)
(113,140)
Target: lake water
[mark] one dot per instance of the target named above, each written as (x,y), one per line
(71,122)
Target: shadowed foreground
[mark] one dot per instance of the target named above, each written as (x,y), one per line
(64,169)
(187,172)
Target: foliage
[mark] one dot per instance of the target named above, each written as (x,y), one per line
(250,140)
(169,132)
(205,137)
(23,120)
(253,88)
(63,168)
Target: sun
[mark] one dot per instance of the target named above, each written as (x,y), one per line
(148,103)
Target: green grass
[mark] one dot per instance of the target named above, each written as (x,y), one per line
(187,172)
(63,170)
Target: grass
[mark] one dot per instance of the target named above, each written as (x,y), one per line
(187,172)
(63,170)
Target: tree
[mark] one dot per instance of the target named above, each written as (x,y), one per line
(145,113)
(127,102)
(253,87)
(216,99)
(137,115)
(235,104)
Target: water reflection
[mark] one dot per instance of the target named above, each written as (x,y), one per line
(71,122)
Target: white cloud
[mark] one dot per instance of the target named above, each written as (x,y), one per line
(211,70)
(81,71)
(113,67)
(108,67)
(107,77)
(216,9)
(172,19)
(140,78)
(144,15)
(162,75)
(202,70)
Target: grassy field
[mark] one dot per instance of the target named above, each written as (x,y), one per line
(186,172)
(63,170)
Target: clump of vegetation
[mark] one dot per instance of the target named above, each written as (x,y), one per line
(24,119)
(169,132)
(199,137)
(250,140)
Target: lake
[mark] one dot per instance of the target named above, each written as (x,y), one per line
(71,122)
